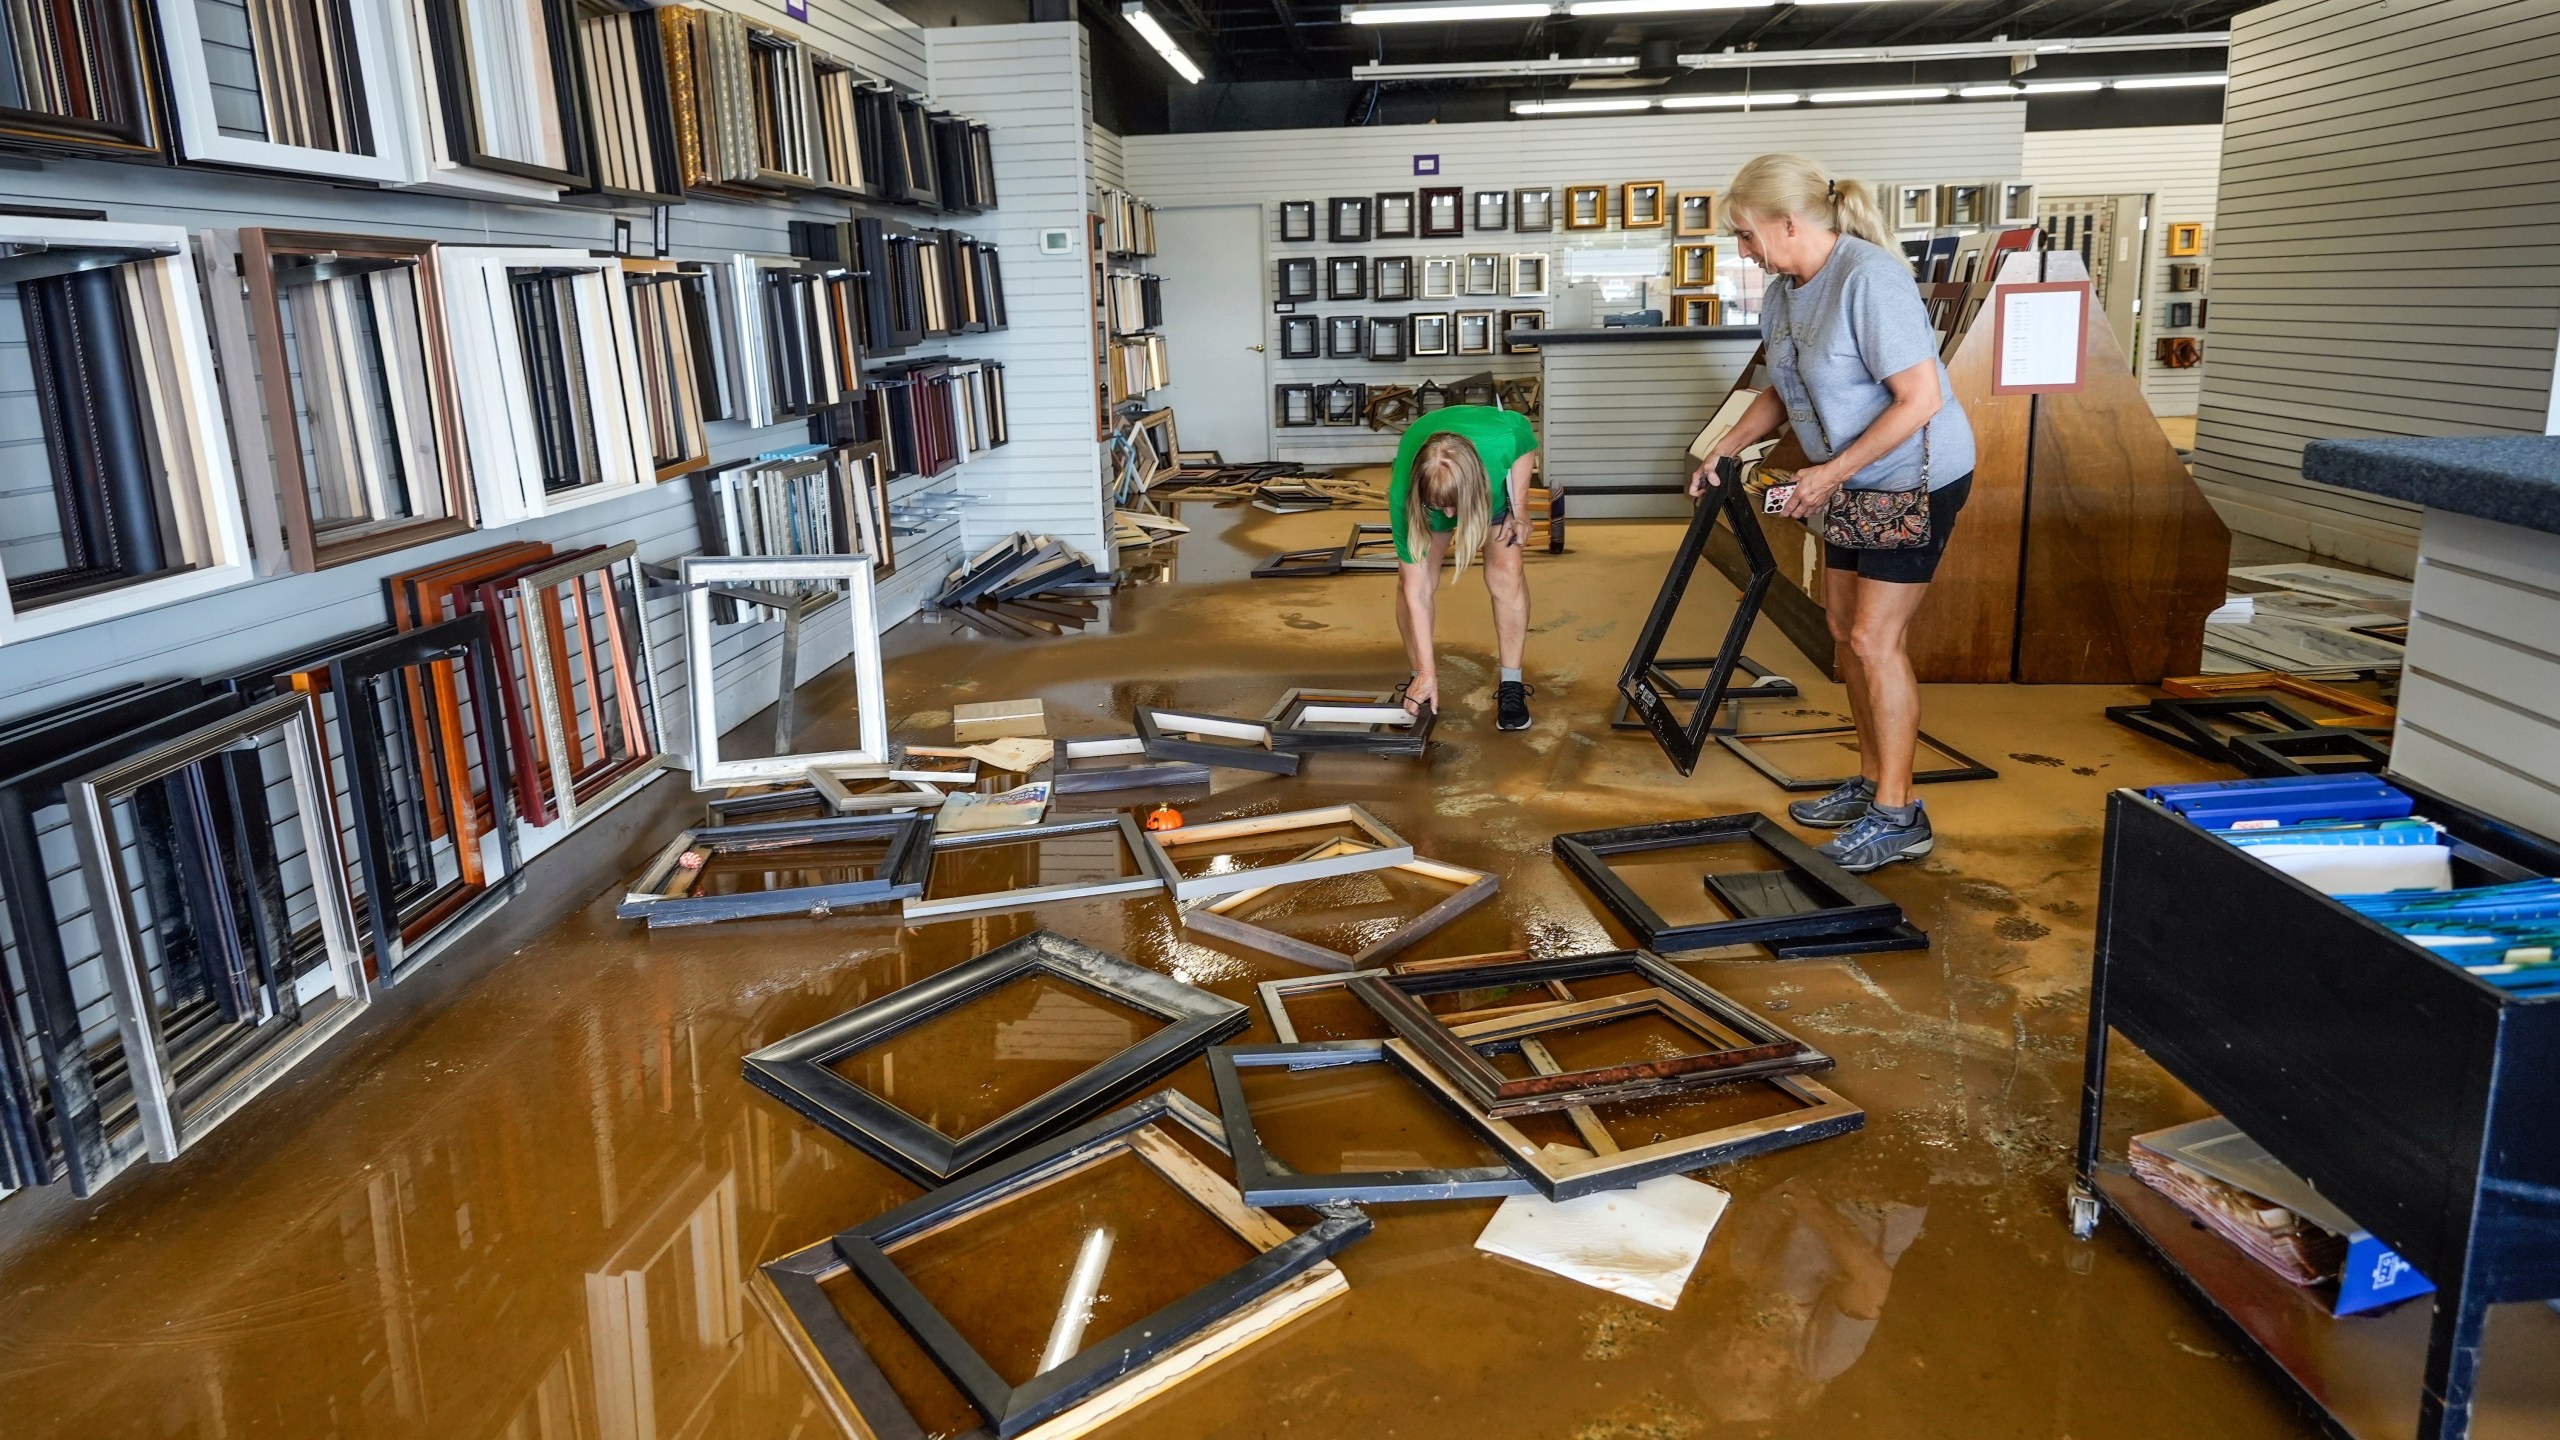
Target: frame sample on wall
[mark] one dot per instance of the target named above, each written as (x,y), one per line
(1440,277)
(1293,406)
(630,108)
(1693,267)
(1641,206)
(672,889)
(1387,337)
(1284,1261)
(186,1083)
(1264,1181)
(1529,275)
(1693,214)
(87,81)
(1482,275)
(1683,738)
(1301,337)
(1105,855)
(1346,278)
(546,378)
(1493,210)
(1346,337)
(816,1072)
(1379,848)
(361,447)
(795,322)
(1395,216)
(711,771)
(1765,1051)
(1586,207)
(507,88)
(1519,322)
(1444,212)
(2017,203)
(1533,209)
(1915,207)
(1347,219)
(1297,277)
(1391,279)
(683,348)
(133,504)
(303,90)
(1805,896)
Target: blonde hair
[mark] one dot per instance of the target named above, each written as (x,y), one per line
(1449,475)
(1776,185)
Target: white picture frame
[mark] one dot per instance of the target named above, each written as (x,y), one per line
(195,123)
(491,384)
(701,572)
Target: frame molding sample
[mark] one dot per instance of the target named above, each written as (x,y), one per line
(1745,748)
(701,574)
(1218,740)
(546,379)
(659,897)
(927,906)
(801,1071)
(1388,848)
(1262,1181)
(1641,206)
(1139,770)
(1285,1258)
(575,700)
(1693,214)
(1770,1051)
(1218,917)
(1818,899)
(1683,740)
(314,114)
(1533,210)
(2355,711)
(171,1121)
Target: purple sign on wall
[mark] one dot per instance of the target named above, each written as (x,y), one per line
(796,9)
(1426,164)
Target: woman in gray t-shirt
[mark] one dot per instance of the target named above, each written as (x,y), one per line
(1854,367)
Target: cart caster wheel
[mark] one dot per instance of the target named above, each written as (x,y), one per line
(2084,1211)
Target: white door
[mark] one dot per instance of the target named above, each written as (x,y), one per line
(1211,259)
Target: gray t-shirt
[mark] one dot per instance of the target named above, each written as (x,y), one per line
(1832,341)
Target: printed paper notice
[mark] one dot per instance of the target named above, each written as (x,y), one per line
(2043,331)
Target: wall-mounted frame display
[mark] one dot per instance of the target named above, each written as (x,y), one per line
(306,90)
(2186,277)
(506,88)
(119,442)
(631,129)
(1341,402)
(2179,315)
(1641,205)
(849,576)
(1516,323)
(1698,309)
(583,654)
(1440,277)
(1346,277)
(1444,211)
(1693,213)
(1915,207)
(1533,209)
(1346,337)
(1387,337)
(2186,237)
(544,372)
(1297,221)
(1297,277)
(1392,279)
(1301,337)
(683,346)
(1347,219)
(1586,207)
(1965,206)
(1493,210)
(1482,275)
(1474,332)
(1529,275)
(1693,267)
(84,81)
(1395,215)
(1293,405)
(2017,203)
(2178,352)
(1430,332)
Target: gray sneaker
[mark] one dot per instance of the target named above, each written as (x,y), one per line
(1844,806)
(1879,839)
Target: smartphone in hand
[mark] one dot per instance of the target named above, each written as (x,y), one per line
(1773,501)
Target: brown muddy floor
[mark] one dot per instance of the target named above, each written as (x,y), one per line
(528,1206)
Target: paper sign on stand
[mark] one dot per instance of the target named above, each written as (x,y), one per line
(2039,337)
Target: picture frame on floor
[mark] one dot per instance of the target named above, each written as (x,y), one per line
(1384,848)
(1683,738)
(1262,1182)
(1749,748)
(703,572)
(1804,896)
(1222,916)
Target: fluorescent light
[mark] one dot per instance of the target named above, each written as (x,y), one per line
(2167,82)
(1436,14)
(1975,50)
(1493,69)
(2063,87)
(1576,107)
(1745,102)
(1659,7)
(1861,97)
(1988,92)
(1145,24)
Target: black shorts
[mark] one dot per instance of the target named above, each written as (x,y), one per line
(1916,565)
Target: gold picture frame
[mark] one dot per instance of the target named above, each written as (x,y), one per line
(1693,267)
(2186,237)
(1693,213)
(1641,207)
(1586,207)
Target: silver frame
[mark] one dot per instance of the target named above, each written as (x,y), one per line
(1524,259)
(166,1130)
(543,681)
(701,572)
(1492,263)
(1151,873)
(1448,270)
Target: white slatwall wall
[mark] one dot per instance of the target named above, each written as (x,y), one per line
(1624,414)
(2390,176)
(2178,166)
(1689,152)
(1028,83)
(1104,148)
(2480,704)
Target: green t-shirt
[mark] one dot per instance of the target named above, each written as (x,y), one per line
(1501,437)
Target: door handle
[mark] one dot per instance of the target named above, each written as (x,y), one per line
(1256,349)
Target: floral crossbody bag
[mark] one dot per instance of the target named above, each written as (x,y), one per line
(1871,519)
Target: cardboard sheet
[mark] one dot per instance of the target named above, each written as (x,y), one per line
(1640,1243)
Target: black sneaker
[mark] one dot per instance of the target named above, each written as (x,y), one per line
(1511,703)
(1844,806)
(1879,838)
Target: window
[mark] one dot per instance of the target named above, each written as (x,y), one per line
(546,379)
(133,505)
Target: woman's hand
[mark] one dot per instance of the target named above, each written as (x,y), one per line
(1705,475)
(1513,531)
(1815,485)
(1422,693)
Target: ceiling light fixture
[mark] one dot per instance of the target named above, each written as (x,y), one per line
(1989,92)
(1659,7)
(1978,50)
(1135,12)
(1495,69)
(2063,87)
(1862,97)
(1441,14)
(1577,107)
(1738,102)
(2168,82)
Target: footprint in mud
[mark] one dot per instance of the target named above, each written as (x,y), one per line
(2066,909)
(2086,769)
(2046,760)
(2019,927)
(1296,621)
(1567,618)
(1596,632)
(1983,895)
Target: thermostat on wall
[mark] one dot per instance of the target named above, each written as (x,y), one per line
(1057,242)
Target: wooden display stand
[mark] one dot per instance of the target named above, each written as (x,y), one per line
(2086,554)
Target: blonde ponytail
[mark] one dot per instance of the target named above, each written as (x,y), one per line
(1449,475)
(1778,185)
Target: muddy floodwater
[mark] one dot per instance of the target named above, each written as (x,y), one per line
(525,1197)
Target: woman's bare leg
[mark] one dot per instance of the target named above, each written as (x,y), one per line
(1506,578)
(1889,715)
(1840,608)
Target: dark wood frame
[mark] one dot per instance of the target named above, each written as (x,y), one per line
(1281,395)
(1627,192)
(1771,1051)
(1965,768)
(1456,198)
(2280,752)
(798,1071)
(1334,228)
(1683,740)
(1014,1409)
(1262,1182)
(1500,200)
(1855,905)
(902,871)
(1378,291)
(1336,266)
(1512,328)
(131,66)
(1162,744)
(1302,337)
(1299,266)
(1334,328)
(1299,210)
(1520,199)
(1382,350)
(1378,216)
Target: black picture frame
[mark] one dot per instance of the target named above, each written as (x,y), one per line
(1346,277)
(1265,1182)
(1297,277)
(1342,402)
(1289,732)
(901,873)
(1013,1409)
(1161,730)
(1533,210)
(1346,337)
(1664,676)
(1300,337)
(1443,211)
(1492,210)
(1391,279)
(1386,338)
(799,1070)
(2186,723)
(1293,406)
(1297,221)
(1746,749)
(1347,219)
(1300,564)
(1765,909)
(1395,998)
(1683,738)
(2282,752)
(1394,216)
(1515,323)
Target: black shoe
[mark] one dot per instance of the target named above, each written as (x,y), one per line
(1511,703)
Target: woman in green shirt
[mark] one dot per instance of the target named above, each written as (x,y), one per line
(1455,476)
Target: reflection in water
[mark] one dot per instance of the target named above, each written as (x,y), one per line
(980,1060)
(1075,1311)
(1822,1270)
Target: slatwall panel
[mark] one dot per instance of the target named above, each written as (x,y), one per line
(1624,414)
(1104,148)
(2480,717)
(1690,152)
(2178,166)
(1028,83)
(2389,179)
